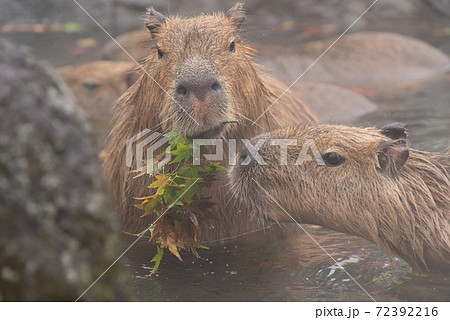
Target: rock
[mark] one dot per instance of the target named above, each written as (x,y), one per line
(57,229)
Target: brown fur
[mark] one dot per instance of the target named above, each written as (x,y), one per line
(137,44)
(247,90)
(95,86)
(403,207)
(373,61)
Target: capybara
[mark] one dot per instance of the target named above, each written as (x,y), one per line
(315,94)
(137,43)
(373,61)
(95,86)
(361,181)
(367,60)
(200,74)
(320,96)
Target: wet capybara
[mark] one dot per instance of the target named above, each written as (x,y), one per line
(95,86)
(199,74)
(320,96)
(373,61)
(315,94)
(365,182)
(367,60)
(136,43)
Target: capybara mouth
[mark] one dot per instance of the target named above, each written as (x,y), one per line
(208,124)
(247,194)
(205,132)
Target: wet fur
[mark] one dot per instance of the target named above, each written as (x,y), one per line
(405,211)
(249,93)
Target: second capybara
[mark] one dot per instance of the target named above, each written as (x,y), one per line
(199,74)
(374,61)
(95,86)
(361,181)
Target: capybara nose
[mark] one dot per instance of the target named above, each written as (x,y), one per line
(200,88)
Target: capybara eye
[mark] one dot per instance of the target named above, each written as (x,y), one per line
(232,47)
(160,53)
(333,159)
(91,85)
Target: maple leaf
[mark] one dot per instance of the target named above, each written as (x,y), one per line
(160,181)
(182,153)
(173,245)
(176,137)
(157,260)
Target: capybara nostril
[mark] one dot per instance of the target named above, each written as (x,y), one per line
(198,85)
(181,91)
(245,157)
(216,86)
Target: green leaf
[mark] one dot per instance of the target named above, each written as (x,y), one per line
(160,181)
(157,260)
(190,171)
(212,170)
(193,191)
(182,153)
(176,138)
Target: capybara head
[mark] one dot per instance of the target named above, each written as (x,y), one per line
(201,63)
(362,181)
(96,85)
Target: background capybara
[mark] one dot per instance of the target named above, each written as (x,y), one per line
(203,75)
(369,184)
(137,43)
(373,61)
(95,86)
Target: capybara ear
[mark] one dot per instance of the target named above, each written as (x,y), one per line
(237,14)
(132,76)
(394,130)
(392,154)
(154,21)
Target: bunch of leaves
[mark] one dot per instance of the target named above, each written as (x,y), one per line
(181,210)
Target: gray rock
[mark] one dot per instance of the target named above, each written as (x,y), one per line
(57,229)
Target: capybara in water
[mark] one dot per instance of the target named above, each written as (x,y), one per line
(201,74)
(373,61)
(365,182)
(137,43)
(95,86)
(316,95)
(367,60)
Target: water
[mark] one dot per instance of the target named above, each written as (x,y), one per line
(282,263)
